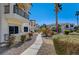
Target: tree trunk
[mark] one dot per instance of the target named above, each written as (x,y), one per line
(57,22)
(77,20)
(56,10)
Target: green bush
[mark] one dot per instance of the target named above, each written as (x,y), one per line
(67,32)
(77,31)
(71,31)
(23,38)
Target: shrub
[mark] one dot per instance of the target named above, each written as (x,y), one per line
(23,38)
(55,33)
(60,47)
(71,30)
(77,31)
(30,35)
(11,40)
(66,44)
(47,32)
(67,32)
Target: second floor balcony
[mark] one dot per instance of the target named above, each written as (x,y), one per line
(20,12)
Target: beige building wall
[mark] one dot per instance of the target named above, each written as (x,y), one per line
(11,19)
(32,25)
(3,24)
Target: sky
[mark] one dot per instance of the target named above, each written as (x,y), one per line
(44,13)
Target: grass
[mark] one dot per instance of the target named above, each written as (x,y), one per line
(66,44)
(60,49)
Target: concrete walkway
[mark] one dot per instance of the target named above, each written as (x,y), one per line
(34,48)
(18,48)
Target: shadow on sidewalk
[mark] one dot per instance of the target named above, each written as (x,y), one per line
(3,49)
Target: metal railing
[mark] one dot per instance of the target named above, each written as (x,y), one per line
(20,12)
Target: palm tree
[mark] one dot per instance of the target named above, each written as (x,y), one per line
(77,14)
(57,8)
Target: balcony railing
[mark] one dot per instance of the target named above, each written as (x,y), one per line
(20,12)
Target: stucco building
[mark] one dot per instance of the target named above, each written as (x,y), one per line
(67,26)
(32,25)
(14,19)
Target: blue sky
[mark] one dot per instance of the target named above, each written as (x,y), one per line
(44,13)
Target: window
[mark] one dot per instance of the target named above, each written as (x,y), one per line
(7,9)
(15,9)
(16,29)
(71,25)
(13,29)
(67,26)
(25,29)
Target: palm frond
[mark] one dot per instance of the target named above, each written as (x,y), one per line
(60,6)
(77,13)
(29,12)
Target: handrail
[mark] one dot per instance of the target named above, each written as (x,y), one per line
(20,12)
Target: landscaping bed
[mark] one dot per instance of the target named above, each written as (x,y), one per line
(66,44)
(18,48)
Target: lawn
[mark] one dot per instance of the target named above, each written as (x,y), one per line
(66,44)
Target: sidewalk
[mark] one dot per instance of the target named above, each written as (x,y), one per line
(34,48)
(18,48)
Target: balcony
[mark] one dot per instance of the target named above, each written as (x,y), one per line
(20,12)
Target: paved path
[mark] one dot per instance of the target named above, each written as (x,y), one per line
(34,48)
(18,48)
(47,47)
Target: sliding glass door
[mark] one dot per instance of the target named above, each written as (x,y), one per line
(13,30)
